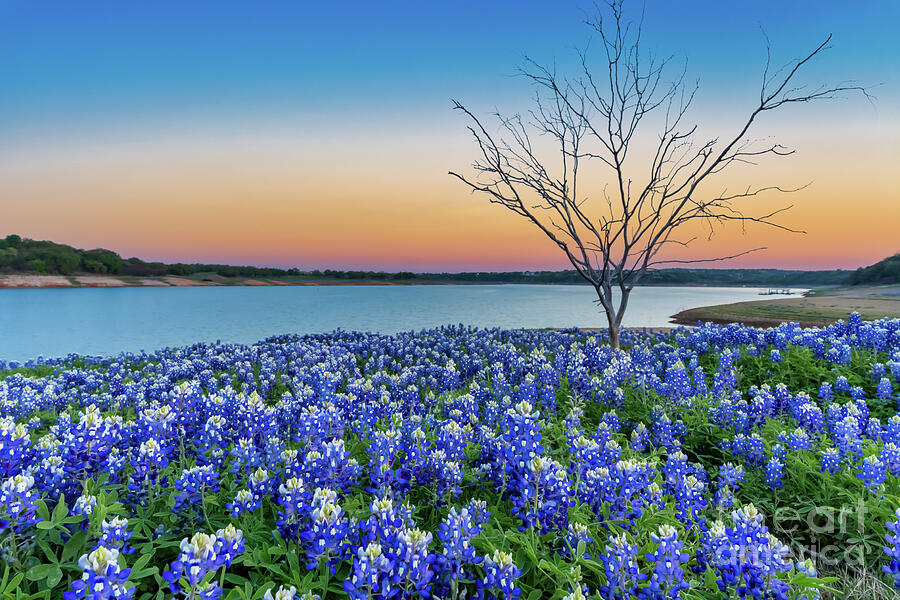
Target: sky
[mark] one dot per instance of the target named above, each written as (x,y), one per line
(319,135)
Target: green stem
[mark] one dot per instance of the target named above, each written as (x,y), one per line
(327,579)
(203,508)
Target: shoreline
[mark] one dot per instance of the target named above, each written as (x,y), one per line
(817,308)
(37,282)
(78,281)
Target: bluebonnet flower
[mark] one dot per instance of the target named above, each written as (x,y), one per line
(292,498)
(192,486)
(500,575)
(572,423)
(893,549)
(841,384)
(890,456)
(244,501)
(102,579)
(523,436)
(542,500)
(847,436)
(335,468)
(199,556)
(873,428)
(576,534)
(114,534)
(640,438)
(15,450)
(456,532)
(290,593)
(666,433)
(830,461)
(891,431)
(622,573)
(148,465)
(580,592)
(678,384)
(775,356)
(798,440)
(370,574)
(386,522)
(245,458)
(746,557)
(690,501)
(84,505)
(667,579)
(327,534)
(807,566)
(230,544)
(731,477)
(413,569)
(884,389)
(18,503)
(872,473)
(775,473)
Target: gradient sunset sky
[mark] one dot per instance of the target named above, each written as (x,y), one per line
(319,134)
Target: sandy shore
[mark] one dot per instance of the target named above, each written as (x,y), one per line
(34,281)
(106,281)
(815,310)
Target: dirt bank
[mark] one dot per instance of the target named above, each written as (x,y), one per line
(815,310)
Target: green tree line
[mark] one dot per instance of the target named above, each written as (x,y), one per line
(883,272)
(23,255)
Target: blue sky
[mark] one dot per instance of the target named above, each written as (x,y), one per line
(87,83)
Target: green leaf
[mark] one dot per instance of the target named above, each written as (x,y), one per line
(137,574)
(709,579)
(61,511)
(13,583)
(39,572)
(73,547)
(42,511)
(48,552)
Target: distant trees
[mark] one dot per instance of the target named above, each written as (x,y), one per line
(18,255)
(883,272)
(607,167)
(29,256)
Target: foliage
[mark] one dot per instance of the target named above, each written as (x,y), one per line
(19,255)
(456,463)
(883,272)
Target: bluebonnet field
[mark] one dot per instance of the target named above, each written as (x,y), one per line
(706,463)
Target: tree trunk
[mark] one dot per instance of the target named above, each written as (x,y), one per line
(613,330)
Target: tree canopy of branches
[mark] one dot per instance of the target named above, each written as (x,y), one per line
(588,125)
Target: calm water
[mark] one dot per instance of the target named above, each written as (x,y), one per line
(55,322)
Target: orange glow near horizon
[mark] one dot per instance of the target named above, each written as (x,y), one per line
(388,204)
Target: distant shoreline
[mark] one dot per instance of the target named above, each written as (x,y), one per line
(817,309)
(31,281)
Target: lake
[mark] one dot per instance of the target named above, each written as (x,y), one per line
(105,321)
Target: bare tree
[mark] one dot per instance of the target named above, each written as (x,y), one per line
(536,167)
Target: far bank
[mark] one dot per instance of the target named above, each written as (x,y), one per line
(818,308)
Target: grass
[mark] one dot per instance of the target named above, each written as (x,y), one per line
(820,308)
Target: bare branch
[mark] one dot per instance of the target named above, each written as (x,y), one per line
(534,166)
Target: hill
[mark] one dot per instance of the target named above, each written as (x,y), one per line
(884,272)
(24,256)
